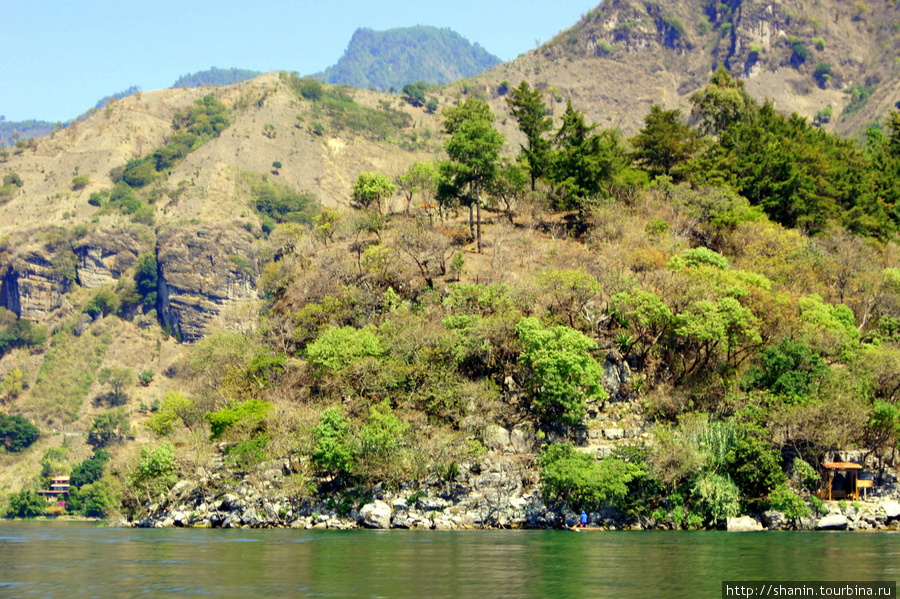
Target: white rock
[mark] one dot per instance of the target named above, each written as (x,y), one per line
(742,524)
(375,515)
(833,522)
(892,509)
(495,437)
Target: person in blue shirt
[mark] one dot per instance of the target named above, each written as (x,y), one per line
(583,519)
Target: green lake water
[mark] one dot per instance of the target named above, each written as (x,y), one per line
(49,559)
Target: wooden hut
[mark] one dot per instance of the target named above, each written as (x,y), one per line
(841,480)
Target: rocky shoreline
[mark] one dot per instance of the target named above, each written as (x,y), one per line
(500,493)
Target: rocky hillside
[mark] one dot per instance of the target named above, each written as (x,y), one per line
(828,58)
(273,293)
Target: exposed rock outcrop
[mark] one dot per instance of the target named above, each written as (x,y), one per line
(34,281)
(202,270)
(105,255)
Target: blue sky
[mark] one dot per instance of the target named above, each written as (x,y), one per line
(60,57)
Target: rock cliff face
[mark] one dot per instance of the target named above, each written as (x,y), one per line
(202,270)
(34,281)
(105,255)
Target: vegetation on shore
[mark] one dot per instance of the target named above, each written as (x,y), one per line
(743,266)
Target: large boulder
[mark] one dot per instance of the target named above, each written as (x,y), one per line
(495,437)
(833,522)
(773,519)
(742,524)
(891,509)
(375,515)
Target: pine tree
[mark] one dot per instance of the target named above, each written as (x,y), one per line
(527,107)
(474,147)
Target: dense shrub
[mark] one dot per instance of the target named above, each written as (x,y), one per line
(333,451)
(582,481)
(248,416)
(564,375)
(16,433)
(26,504)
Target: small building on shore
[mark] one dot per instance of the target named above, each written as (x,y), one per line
(59,488)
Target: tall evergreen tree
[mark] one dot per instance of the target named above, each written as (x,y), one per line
(474,146)
(527,107)
(664,142)
(584,163)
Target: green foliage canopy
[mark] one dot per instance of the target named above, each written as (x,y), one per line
(564,375)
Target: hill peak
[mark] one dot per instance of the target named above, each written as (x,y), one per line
(395,57)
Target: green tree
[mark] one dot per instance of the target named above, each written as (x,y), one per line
(564,375)
(508,186)
(108,427)
(119,379)
(383,432)
(26,504)
(174,410)
(248,417)
(94,500)
(414,93)
(722,103)
(646,317)
(16,433)
(474,147)
(577,478)
(90,470)
(570,291)
(370,189)
(146,279)
(716,497)
(585,165)
(103,303)
(789,503)
(333,451)
(789,370)
(665,142)
(528,108)
(421,178)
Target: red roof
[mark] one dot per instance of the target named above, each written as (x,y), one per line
(842,466)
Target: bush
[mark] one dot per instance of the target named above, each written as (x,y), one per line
(17,433)
(564,376)
(338,348)
(94,500)
(333,451)
(716,497)
(80,182)
(580,480)
(784,500)
(383,432)
(146,377)
(26,504)
(823,74)
(90,470)
(103,303)
(17,332)
(155,471)
(247,415)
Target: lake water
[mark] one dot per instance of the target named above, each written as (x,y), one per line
(57,559)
